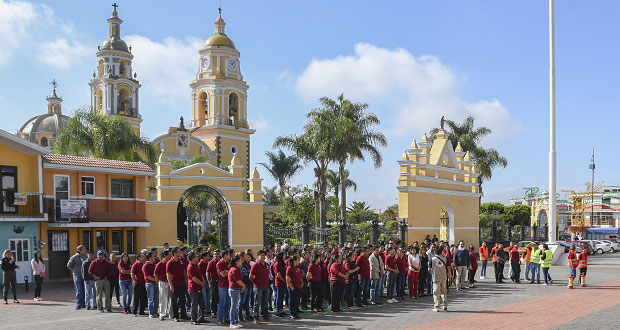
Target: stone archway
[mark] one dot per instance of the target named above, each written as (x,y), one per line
(446,223)
(199,207)
(542,219)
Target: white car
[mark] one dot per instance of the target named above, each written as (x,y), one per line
(615,246)
(602,247)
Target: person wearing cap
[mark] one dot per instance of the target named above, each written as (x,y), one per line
(99,270)
(75,266)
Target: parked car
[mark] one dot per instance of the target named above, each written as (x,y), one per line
(602,247)
(587,245)
(613,245)
(568,244)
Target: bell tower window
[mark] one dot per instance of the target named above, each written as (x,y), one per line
(121,69)
(100,68)
(124,102)
(99,99)
(44,142)
(233,109)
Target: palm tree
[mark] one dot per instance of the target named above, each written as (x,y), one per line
(91,134)
(333,182)
(353,137)
(358,207)
(469,136)
(282,167)
(311,147)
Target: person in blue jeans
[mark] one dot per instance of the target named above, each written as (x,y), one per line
(223,306)
(152,284)
(429,281)
(125,282)
(89,283)
(244,303)
(235,289)
(75,266)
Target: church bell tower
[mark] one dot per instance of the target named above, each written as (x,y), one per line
(114,87)
(220,116)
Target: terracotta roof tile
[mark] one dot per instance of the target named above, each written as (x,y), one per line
(95,162)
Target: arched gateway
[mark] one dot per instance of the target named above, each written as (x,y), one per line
(438,191)
(202,208)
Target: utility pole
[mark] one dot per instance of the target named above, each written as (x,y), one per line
(552,154)
(592,167)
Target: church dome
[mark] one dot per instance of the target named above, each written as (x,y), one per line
(114,43)
(219,40)
(49,122)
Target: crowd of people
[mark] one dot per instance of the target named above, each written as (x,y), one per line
(232,287)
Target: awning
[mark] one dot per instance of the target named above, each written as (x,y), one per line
(610,230)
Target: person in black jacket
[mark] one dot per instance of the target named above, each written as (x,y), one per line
(502,256)
(9,278)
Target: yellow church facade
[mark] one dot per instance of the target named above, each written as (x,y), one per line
(219,131)
(438,191)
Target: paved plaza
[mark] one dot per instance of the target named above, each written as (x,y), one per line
(489,306)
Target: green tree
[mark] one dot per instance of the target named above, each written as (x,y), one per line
(391,213)
(296,205)
(313,146)
(353,137)
(489,212)
(333,184)
(469,137)
(282,167)
(360,212)
(91,134)
(517,215)
(270,196)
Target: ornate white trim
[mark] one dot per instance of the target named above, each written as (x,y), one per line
(438,191)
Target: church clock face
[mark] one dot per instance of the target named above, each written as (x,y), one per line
(204,64)
(232,65)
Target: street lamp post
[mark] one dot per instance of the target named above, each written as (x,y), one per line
(552,153)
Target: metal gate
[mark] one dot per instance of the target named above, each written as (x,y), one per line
(58,254)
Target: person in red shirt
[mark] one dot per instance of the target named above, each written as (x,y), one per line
(222,268)
(235,287)
(139,288)
(573,261)
(164,287)
(151,285)
(195,282)
(202,264)
(363,289)
(315,277)
(175,274)
(113,278)
(99,270)
(293,281)
(337,278)
(212,281)
(279,273)
(259,275)
(515,263)
(391,269)
(473,265)
(124,278)
(583,266)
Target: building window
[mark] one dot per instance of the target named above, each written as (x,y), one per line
(102,239)
(131,241)
(117,241)
(61,191)
(88,186)
(87,239)
(8,188)
(44,142)
(122,188)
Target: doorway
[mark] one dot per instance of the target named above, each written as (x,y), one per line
(58,244)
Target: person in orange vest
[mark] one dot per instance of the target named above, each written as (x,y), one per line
(483,251)
(583,267)
(494,258)
(572,265)
(526,258)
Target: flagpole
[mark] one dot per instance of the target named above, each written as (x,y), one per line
(552,153)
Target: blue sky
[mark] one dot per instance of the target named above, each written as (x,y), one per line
(412,61)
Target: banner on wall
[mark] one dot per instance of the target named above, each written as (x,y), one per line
(73,208)
(20,199)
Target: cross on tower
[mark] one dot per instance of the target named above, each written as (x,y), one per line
(115,6)
(54,84)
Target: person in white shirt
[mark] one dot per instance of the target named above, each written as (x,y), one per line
(413,261)
(38,271)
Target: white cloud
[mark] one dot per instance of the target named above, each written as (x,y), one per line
(29,27)
(166,68)
(61,53)
(420,89)
(15,19)
(261,123)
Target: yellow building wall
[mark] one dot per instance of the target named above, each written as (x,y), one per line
(28,170)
